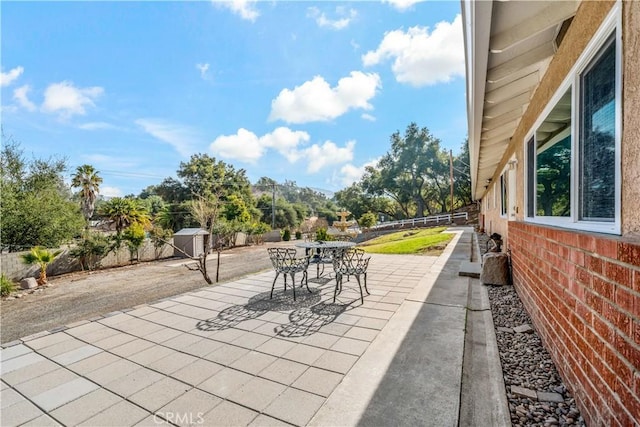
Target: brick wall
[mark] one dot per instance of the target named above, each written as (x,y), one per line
(582,291)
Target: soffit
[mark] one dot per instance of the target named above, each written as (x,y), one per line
(521,44)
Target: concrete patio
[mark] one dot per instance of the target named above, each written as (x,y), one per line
(228,355)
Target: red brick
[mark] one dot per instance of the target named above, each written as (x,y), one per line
(636,332)
(584,312)
(607,248)
(624,299)
(594,301)
(587,242)
(629,253)
(630,401)
(583,276)
(603,288)
(629,351)
(577,256)
(618,273)
(603,329)
(594,264)
(636,281)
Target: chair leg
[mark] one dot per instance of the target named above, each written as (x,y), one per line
(285,281)
(360,286)
(293,280)
(365,284)
(274,284)
(335,291)
(305,280)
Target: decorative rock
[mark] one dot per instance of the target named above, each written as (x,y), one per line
(495,269)
(524,392)
(523,329)
(28,283)
(550,397)
(503,329)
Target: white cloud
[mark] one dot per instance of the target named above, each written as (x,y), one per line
(66,99)
(244,8)
(203,69)
(369,117)
(107,191)
(351,173)
(354,44)
(20,95)
(345,17)
(327,154)
(7,78)
(180,137)
(246,146)
(96,126)
(402,5)
(315,100)
(422,58)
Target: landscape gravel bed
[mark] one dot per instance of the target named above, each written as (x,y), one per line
(536,394)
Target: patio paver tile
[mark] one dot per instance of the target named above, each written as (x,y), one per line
(202,347)
(29,372)
(229,414)
(283,371)
(266,421)
(257,394)
(76,355)
(159,394)
(350,346)
(189,408)
(15,351)
(276,347)
(92,363)
(197,372)
(9,397)
(318,381)
(336,361)
(112,371)
(64,393)
(48,340)
(113,340)
(20,362)
(85,407)
(321,340)
(42,421)
(132,347)
(227,354)
(368,322)
(151,354)
(302,353)
(251,340)
(359,333)
(132,383)
(225,382)
(295,406)
(173,362)
(120,414)
(19,413)
(45,382)
(163,335)
(253,362)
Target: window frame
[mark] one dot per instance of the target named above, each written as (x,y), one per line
(611,24)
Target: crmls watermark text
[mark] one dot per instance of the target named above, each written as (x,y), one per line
(178,418)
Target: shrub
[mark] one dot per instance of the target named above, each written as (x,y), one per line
(321,234)
(90,250)
(41,256)
(368,219)
(298,235)
(286,236)
(6,286)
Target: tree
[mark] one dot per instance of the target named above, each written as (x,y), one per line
(462,176)
(90,250)
(124,212)
(35,204)
(203,176)
(86,178)
(41,256)
(134,235)
(368,220)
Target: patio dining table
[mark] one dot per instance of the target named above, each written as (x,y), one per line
(324,251)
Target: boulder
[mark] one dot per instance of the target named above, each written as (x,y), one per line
(495,269)
(28,283)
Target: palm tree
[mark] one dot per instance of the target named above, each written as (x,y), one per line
(124,212)
(88,181)
(42,257)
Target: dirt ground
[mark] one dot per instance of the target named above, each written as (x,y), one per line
(83,295)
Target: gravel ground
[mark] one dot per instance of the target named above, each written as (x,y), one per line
(83,295)
(526,363)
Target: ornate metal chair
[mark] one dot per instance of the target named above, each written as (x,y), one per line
(351,262)
(284,261)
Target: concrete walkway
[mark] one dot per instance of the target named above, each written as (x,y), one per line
(228,355)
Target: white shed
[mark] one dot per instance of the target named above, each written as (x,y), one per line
(193,241)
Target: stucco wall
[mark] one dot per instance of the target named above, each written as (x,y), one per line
(631,120)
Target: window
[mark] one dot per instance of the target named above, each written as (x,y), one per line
(597,136)
(503,195)
(572,155)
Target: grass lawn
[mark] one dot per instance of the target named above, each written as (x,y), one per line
(424,242)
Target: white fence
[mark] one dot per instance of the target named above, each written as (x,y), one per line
(427,220)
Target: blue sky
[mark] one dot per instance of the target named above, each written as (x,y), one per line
(303,91)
